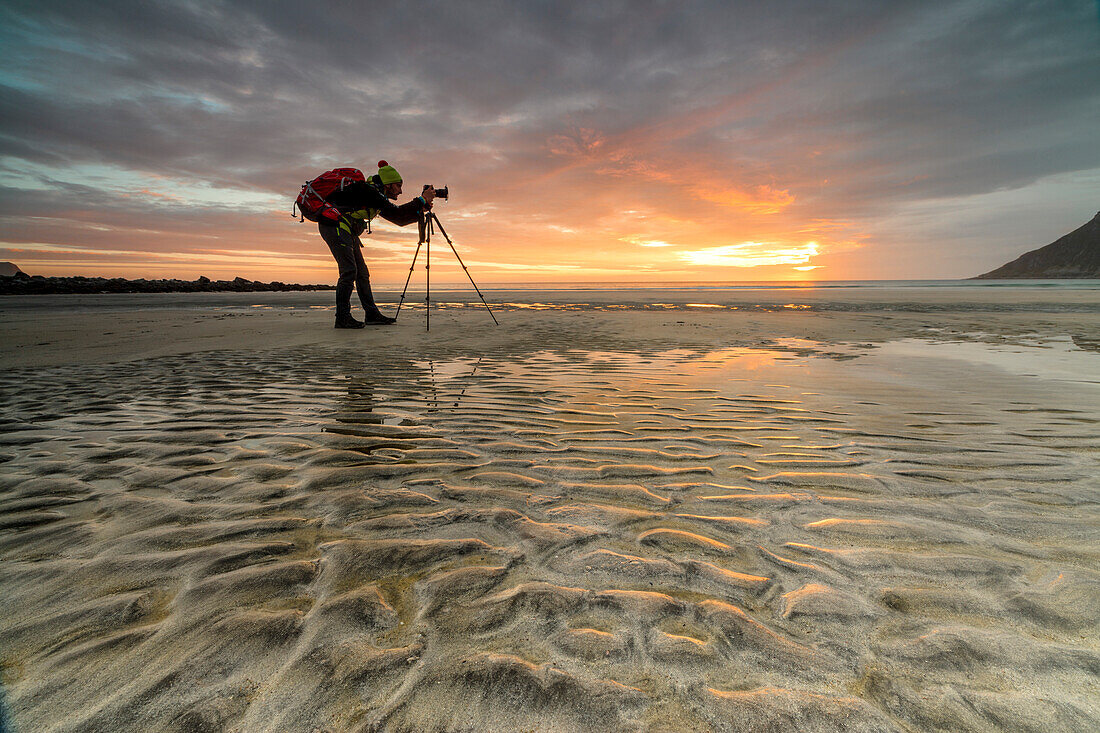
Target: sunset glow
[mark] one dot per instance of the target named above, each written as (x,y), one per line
(752,254)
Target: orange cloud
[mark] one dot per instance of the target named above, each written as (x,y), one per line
(761,199)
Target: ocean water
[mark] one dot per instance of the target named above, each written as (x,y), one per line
(793,285)
(860,295)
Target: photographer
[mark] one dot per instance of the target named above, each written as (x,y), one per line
(358,203)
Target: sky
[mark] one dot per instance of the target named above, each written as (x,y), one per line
(711,141)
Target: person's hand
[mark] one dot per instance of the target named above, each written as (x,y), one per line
(428,195)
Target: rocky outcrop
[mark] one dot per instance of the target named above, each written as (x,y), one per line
(20,283)
(1076,255)
(9,269)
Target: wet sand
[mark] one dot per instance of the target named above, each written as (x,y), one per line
(875,513)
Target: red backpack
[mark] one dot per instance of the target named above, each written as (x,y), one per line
(311,202)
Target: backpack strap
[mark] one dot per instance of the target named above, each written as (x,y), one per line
(364,215)
(301,196)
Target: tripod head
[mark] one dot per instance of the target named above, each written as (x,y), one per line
(426,226)
(422,227)
(426,216)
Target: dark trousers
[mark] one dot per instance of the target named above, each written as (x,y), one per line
(348,252)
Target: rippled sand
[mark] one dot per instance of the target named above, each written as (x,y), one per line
(562,532)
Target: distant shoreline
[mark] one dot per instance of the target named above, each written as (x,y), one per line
(22,284)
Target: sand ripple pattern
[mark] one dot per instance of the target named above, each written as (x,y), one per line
(572,541)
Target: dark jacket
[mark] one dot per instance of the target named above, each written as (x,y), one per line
(361,202)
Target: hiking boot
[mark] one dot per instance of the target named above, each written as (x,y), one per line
(348,322)
(380,320)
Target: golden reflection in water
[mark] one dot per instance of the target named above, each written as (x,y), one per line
(748,359)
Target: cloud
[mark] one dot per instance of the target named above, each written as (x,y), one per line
(718,122)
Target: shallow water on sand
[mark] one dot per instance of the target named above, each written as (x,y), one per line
(901,538)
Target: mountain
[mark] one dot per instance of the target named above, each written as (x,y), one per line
(1076,255)
(9,269)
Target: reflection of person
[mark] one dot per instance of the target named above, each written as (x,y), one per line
(359,203)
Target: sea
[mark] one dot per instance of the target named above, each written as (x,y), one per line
(827,295)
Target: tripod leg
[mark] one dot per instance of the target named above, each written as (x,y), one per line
(407,279)
(428,278)
(465,269)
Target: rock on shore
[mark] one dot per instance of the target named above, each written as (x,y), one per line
(20,283)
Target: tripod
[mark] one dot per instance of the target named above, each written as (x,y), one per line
(428,223)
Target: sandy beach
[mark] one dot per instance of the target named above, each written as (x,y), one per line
(862,509)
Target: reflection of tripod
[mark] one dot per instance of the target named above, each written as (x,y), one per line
(428,222)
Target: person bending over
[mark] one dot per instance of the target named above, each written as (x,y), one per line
(358,203)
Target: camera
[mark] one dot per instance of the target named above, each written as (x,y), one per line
(440,193)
